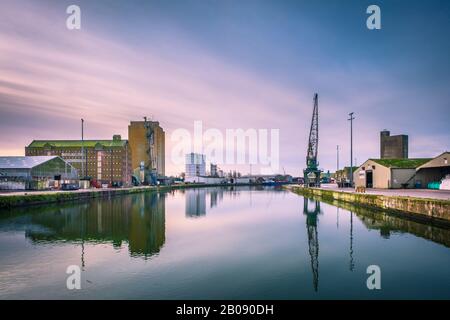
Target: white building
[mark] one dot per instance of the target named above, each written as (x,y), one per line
(35,172)
(195,165)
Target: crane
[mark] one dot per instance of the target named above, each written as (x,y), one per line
(150,174)
(312,173)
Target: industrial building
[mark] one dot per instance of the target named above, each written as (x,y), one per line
(388,173)
(435,173)
(103,161)
(35,173)
(195,165)
(147,145)
(393,147)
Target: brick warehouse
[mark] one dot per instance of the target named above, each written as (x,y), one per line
(105,161)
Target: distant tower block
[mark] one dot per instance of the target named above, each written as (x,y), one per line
(393,147)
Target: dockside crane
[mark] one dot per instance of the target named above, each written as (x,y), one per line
(150,170)
(312,172)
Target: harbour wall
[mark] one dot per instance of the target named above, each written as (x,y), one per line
(47,197)
(419,208)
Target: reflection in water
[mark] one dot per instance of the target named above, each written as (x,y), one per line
(137,220)
(389,224)
(352,264)
(337,217)
(196,200)
(195,203)
(313,238)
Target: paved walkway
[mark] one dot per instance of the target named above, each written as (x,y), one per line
(416,193)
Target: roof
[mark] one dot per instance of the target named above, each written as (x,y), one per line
(77,143)
(23,162)
(401,163)
(442,160)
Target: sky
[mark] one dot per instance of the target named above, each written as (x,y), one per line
(230,64)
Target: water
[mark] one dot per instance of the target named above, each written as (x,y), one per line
(218,243)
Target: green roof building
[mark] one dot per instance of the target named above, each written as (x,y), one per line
(101,161)
(388,173)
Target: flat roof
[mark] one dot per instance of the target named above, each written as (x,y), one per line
(23,162)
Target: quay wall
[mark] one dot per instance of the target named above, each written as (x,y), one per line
(47,197)
(420,208)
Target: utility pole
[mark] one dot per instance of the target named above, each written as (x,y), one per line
(337,157)
(82,148)
(351,147)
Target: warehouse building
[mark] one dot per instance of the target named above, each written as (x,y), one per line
(435,173)
(104,162)
(388,173)
(35,173)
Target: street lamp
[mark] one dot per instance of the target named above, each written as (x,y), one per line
(82,148)
(351,147)
(337,157)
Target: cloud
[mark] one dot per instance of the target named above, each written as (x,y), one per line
(51,77)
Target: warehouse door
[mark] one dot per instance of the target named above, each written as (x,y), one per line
(369,179)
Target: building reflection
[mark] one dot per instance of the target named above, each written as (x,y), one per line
(196,200)
(388,224)
(311,208)
(138,220)
(195,203)
(385,223)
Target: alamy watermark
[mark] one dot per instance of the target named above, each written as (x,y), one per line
(73,21)
(233,147)
(374,20)
(374,280)
(74,279)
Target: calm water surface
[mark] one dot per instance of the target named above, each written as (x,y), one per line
(218,243)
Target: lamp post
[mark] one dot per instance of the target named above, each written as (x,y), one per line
(82,148)
(337,157)
(351,147)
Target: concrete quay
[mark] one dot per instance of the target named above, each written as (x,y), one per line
(415,193)
(423,207)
